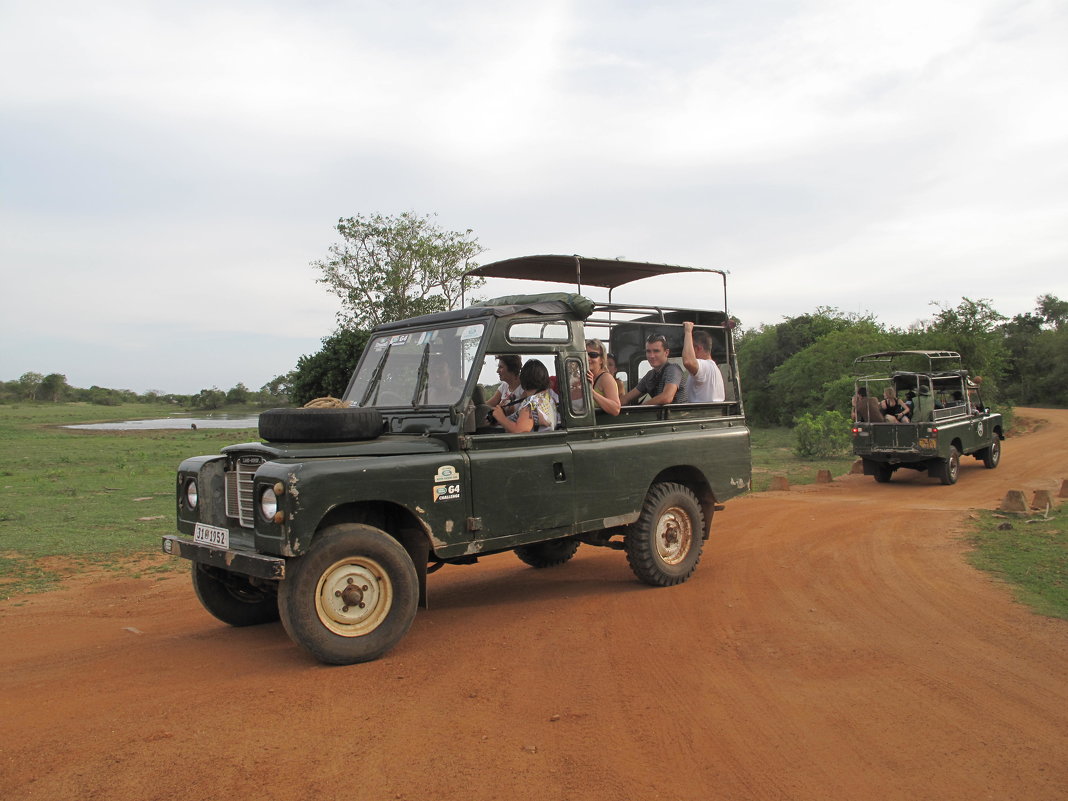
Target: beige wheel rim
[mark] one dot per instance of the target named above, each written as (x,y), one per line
(674,535)
(353,596)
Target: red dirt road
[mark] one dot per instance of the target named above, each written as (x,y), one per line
(833,644)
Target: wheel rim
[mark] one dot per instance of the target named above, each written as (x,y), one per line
(995,452)
(954,466)
(674,535)
(354,596)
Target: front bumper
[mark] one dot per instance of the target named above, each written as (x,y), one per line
(243,562)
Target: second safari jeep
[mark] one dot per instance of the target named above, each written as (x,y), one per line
(947,418)
(335,519)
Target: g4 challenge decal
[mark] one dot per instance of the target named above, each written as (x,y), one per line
(446,484)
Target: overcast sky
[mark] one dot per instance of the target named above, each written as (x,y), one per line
(170,169)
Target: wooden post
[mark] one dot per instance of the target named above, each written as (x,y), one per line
(823,477)
(1014,502)
(780,483)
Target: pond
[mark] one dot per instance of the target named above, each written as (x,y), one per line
(211,421)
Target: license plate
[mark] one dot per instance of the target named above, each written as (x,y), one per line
(930,444)
(211,535)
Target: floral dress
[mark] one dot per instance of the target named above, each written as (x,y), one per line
(541,407)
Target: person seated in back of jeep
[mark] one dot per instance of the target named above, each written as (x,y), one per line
(893,410)
(536,411)
(663,383)
(602,382)
(706,382)
(866,409)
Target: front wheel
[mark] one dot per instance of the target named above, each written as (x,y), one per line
(232,598)
(352,597)
(992,455)
(950,467)
(664,545)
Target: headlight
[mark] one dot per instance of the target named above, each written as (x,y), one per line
(191,494)
(268,503)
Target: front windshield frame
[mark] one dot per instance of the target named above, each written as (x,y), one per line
(416,369)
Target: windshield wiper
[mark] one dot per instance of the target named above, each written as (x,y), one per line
(376,374)
(421,381)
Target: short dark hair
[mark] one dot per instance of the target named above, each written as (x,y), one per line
(649,340)
(534,377)
(512,362)
(703,340)
(862,391)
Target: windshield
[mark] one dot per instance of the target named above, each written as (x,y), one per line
(417,368)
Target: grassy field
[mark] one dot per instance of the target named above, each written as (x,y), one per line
(94,498)
(102,499)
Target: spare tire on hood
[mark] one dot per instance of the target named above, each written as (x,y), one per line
(321,424)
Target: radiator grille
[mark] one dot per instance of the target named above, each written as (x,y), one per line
(240,504)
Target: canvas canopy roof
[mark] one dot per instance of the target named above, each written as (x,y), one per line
(579,270)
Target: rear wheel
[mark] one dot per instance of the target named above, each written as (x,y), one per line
(950,467)
(547,554)
(232,598)
(352,597)
(883,472)
(664,545)
(992,455)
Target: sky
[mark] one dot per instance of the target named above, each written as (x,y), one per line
(170,170)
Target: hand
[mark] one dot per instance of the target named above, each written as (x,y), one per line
(687,327)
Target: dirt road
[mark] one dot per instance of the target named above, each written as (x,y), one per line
(833,644)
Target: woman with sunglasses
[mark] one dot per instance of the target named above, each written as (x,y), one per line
(603,383)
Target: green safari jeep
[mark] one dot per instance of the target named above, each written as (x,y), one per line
(944,415)
(334,520)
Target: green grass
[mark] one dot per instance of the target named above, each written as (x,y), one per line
(1030,553)
(96,498)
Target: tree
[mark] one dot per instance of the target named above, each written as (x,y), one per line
(278,389)
(328,371)
(28,384)
(209,398)
(237,394)
(973,329)
(1053,310)
(391,268)
(53,387)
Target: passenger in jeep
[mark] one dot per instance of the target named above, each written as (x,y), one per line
(663,383)
(706,382)
(536,411)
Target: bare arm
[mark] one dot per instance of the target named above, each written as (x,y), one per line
(523,424)
(608,397)
(667,396)
(689,355)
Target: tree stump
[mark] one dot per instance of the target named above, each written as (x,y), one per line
(780,483)
(824,477)
(1064,488)
(858,467)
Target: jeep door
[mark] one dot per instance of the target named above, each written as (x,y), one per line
(521,486)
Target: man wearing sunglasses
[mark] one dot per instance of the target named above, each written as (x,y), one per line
(663,383)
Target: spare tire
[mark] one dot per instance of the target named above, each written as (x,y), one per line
(320,425)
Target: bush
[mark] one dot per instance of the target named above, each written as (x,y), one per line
(823,435)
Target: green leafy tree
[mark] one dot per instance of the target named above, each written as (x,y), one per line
(209,398)
(390,268)
(29,384)
(327,372)
(53,387)
(278,390)
(239,393)
(973,329)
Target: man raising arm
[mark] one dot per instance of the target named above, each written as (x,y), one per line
(707,382)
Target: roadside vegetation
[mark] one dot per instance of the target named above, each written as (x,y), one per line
(1030,553)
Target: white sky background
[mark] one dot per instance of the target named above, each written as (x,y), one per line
(169,169)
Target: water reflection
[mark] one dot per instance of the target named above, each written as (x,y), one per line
(214,421)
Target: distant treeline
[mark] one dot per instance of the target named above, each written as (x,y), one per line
(53,388)
(802,365)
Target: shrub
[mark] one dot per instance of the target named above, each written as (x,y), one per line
(819,436)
